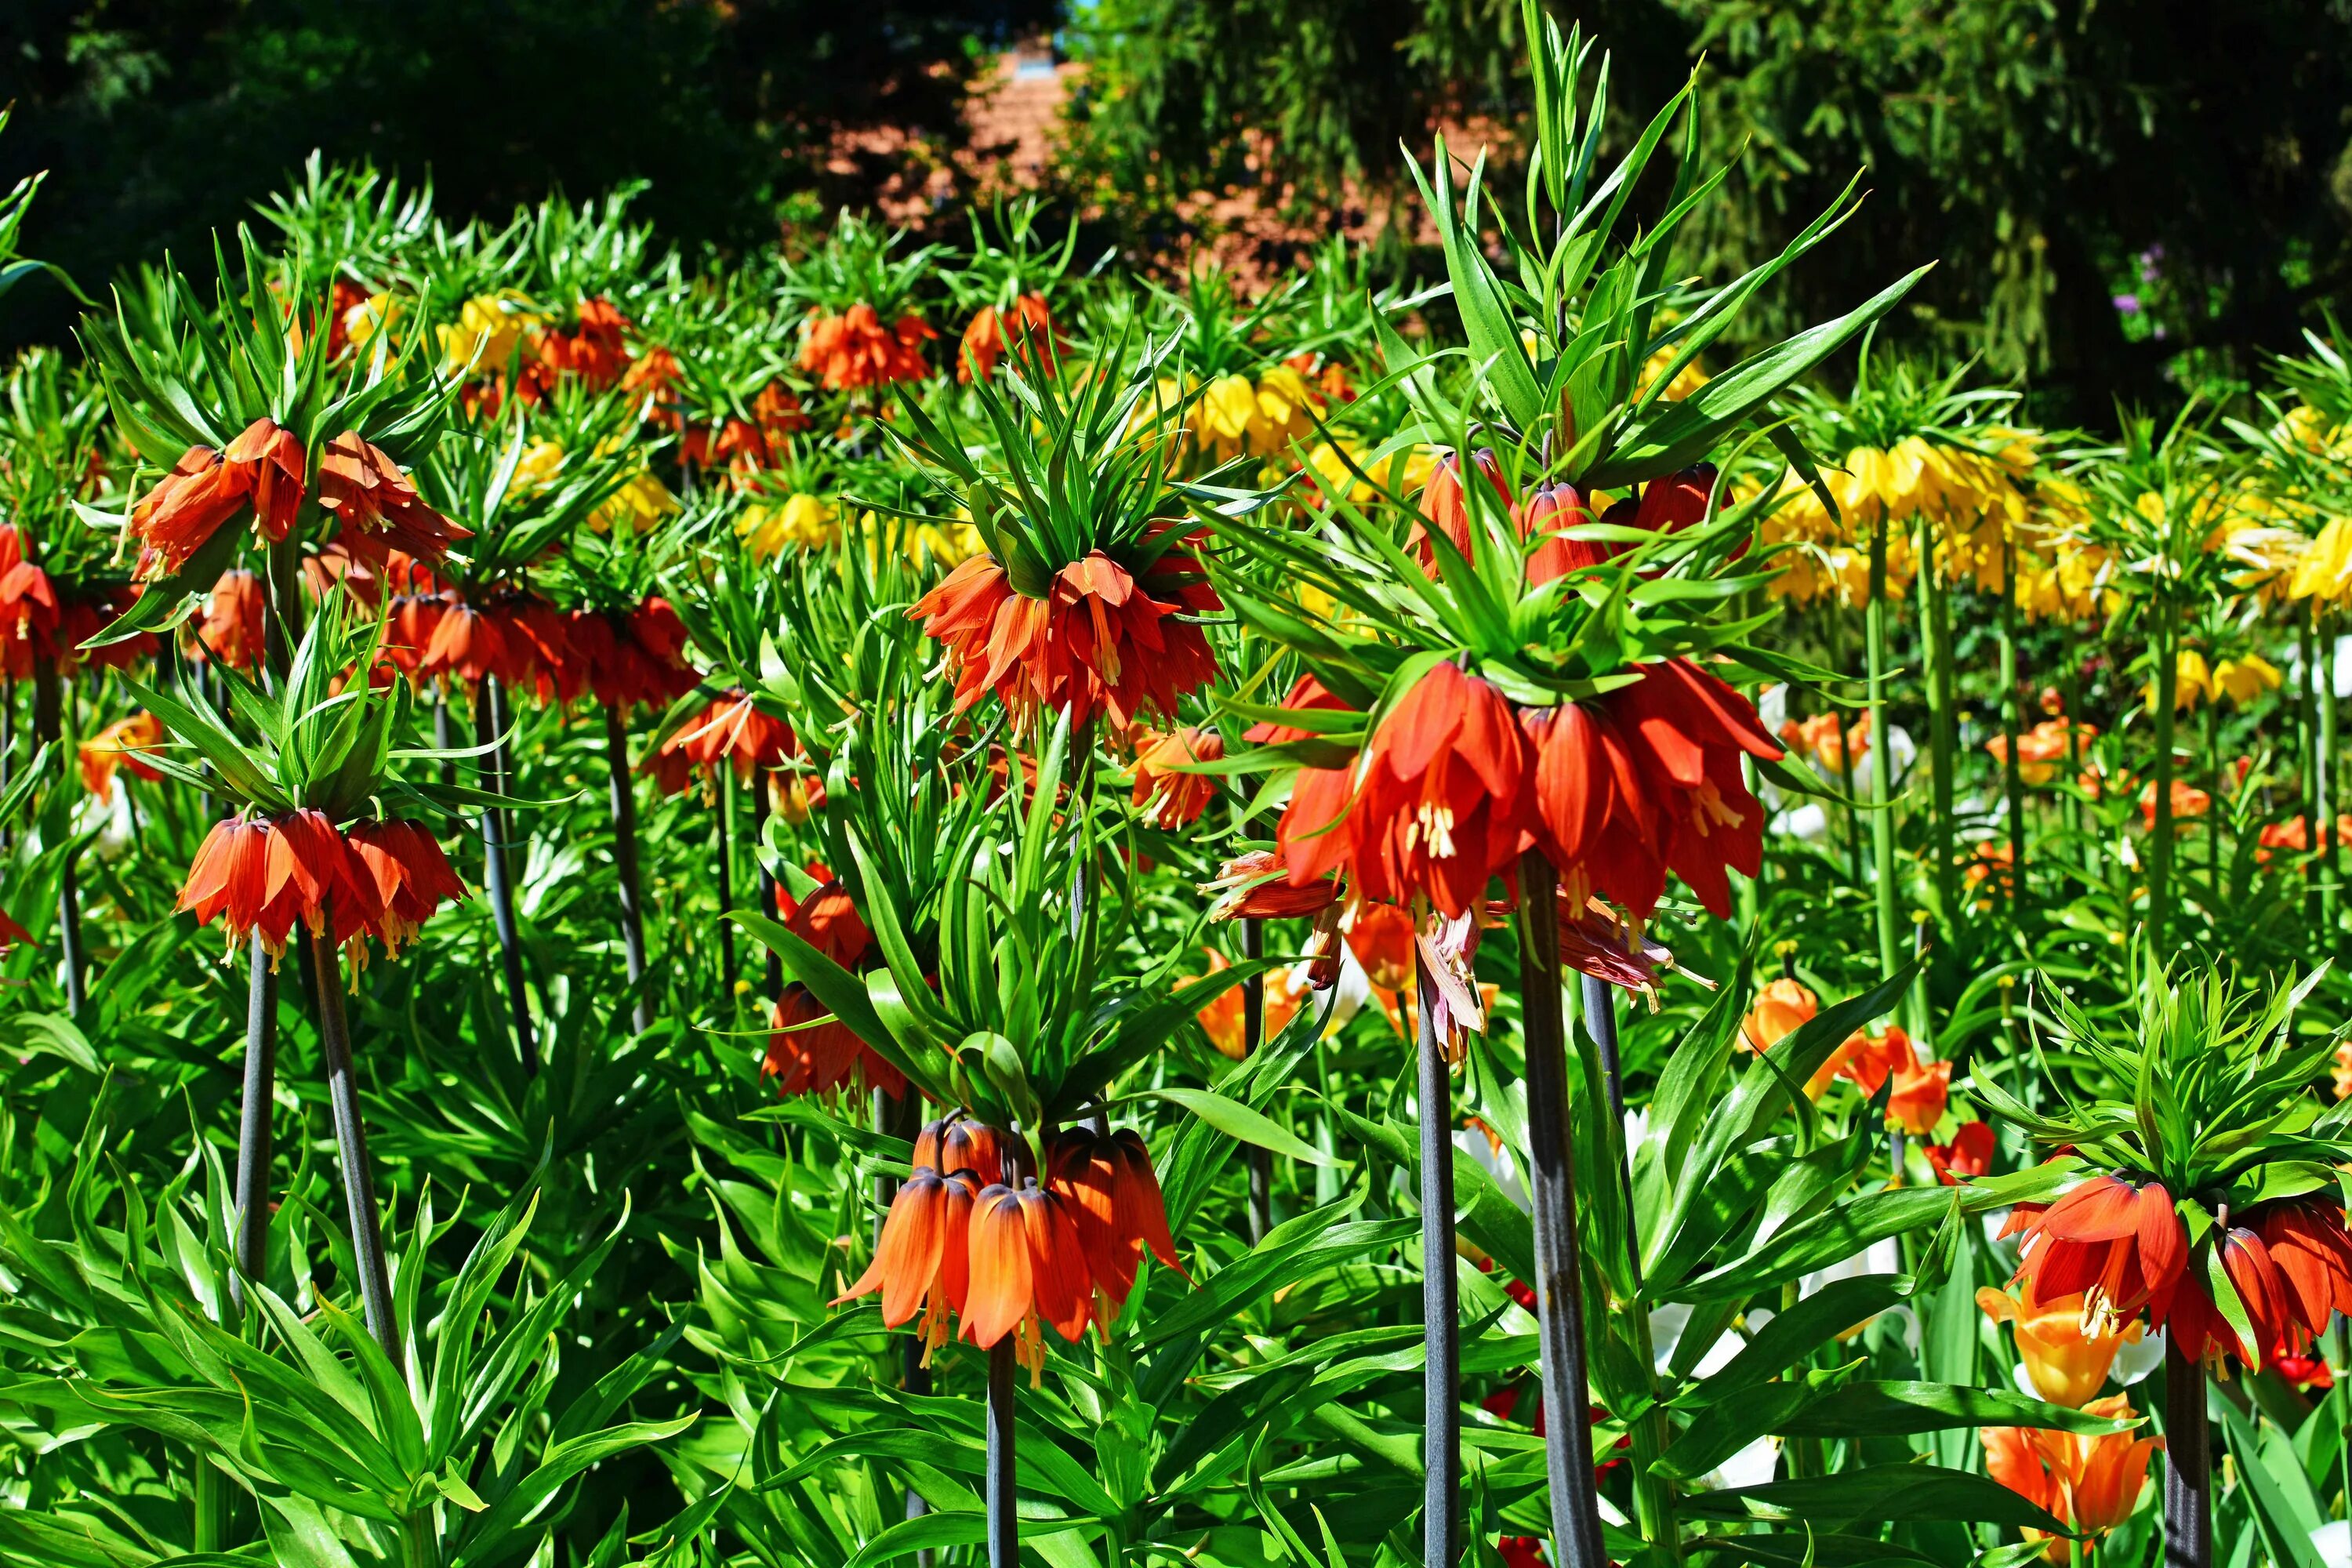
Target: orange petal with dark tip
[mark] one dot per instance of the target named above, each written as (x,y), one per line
(999,1294)
(1060,1284)
(2163,1246)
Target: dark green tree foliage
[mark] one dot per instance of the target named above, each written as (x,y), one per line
(171,116)
(2108,187)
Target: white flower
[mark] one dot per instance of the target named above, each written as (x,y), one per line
(1496,1162)
(1751,1466)
(2135,1360)
(2333,1541)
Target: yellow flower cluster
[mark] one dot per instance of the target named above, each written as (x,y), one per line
(488,329)
(799,521)
(1688,380)
(639,504)
(1980,503)
(375,313)
(1234,416)
(2240,680)
(1343,470)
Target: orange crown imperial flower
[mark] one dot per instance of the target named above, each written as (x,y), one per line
(1170,797)
(1101,639)
(1024,328)
(971,1233)
(233,622)
(812,1052)
(734,728)
(2116,1242)
(1435,805)
(854,349)
(264,875)
(378,508)
(264,470)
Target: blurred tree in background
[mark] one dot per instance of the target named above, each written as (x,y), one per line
(2124,195)
(165,119)
(2110,187)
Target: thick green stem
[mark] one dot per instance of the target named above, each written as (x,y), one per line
(2012,722)
(1852,814)
(727,881)
(253,1130)
(1936,625)
(210,1506)
(2323,775)
(2306,735)
(2214,810)
(1882,780)
(2073,695)
(2160,849)
(53,722)
(497,870)
(1003,1486)
(1260,1158)
(623,789)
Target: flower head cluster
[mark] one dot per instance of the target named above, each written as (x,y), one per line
(732,729)
(1024,329)
(266,875)
(2118,1242)
(812,1052)
(1103,639)
(1168,797)
(1455,783)
(43,620)
(234,624)
(854,349)
(972,1234)
(265,472)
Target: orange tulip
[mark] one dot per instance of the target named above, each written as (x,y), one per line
(118,747)
(1171,797)
(2065,1364)
(2090,1482)
(1969,1153)
(1866,1061)
(1222,1019)
(2187,802)
(1382,938)
(1780,1007)
(1920,1096)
